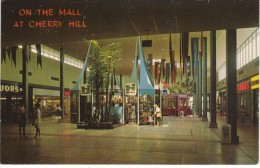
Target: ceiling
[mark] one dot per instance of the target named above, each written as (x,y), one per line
(111,20)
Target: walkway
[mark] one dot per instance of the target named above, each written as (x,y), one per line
(177,141)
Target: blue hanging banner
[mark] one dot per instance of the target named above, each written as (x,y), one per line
(134,77)
(146,81)
(80,77)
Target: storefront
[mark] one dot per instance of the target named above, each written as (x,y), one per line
(49,101)
(11,95)
(175,104)
(248,98)
(255,89)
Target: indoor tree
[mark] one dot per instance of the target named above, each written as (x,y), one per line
(111,56)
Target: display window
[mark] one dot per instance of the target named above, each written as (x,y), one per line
(146,102)
(11,95)
(130,109)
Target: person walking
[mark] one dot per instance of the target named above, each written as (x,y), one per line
(35,121)
(157,113)
(22,120)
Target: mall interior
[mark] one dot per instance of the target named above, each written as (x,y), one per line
(97,68)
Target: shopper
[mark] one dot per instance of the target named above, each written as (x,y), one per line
(22,120)
(35,121)
(157,113)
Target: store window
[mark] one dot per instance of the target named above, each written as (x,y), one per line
(11,95)
(258,43)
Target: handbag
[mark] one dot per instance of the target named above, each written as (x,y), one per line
(159,114)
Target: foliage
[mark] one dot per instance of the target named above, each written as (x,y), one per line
(102,63)
(182,88)
(111,56)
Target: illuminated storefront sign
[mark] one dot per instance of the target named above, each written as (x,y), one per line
(10,88)
(243,86)
(66,93)
(255,82)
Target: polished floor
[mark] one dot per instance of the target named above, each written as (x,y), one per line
(177,141)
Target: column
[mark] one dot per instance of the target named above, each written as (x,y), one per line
(61,82)
(200,84)
(213,72)
(231,77)
(25,80)
(204,77)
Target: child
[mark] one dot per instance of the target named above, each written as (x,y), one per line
(35,121)
(150,119)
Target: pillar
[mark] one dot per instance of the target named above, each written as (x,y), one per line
(25,80)
(213,72)
(231,78)
(61,82)
(200,84)
(204,77)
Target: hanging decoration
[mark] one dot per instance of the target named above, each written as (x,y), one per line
(8,50)
(3,58)
(150,63)
(146,82)
(167,75)
(184,47)
(194,54)
(188,70)
(134,76)
(156,72)
(27,52)
(13,50)
(162,71)
(181,65)
(80,77)
(39,56)
(172,74)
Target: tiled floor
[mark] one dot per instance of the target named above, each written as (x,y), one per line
(177,141)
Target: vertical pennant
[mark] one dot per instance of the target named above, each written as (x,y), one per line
(135,66)
(25,53)
(8,50)
(181,51)
(114,76)
(167,75)
(39,56)
(150,63)
(173,69)
(188,69)
(156,73)
(13,51)
(185,45)
(170,51)
(194,52)
(3,58)
(28,50)
(162,70)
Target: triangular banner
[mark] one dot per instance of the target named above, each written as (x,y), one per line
(39,55)
(13,50)
(80,77)
(146,82)
(3,58)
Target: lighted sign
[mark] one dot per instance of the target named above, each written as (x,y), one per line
(10,88)
(243,86)
(66,93)
(255,82)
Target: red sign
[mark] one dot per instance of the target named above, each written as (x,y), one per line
(67,93)
(243,86)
